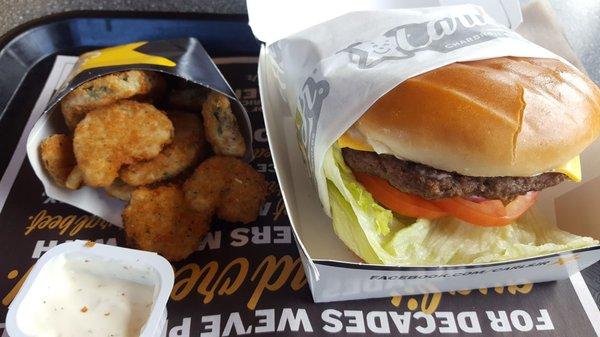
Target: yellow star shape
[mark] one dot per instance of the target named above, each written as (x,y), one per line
(120,55)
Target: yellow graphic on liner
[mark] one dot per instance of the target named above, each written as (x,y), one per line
(429,303)
(120,55)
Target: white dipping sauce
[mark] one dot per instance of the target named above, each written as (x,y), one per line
(76,303)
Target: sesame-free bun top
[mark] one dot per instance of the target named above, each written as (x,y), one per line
(498,117)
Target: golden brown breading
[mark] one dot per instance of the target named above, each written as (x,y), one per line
(75,179)
(57,157)
(108,89)
(116,135)
(227,186)
(119,190)
(221,127)
(189,98)
(187,147)
(158,220)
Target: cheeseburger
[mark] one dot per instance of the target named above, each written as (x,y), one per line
(445,167)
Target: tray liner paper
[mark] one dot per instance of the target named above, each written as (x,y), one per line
(183,58)
(248,280)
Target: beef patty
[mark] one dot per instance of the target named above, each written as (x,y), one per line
(431,183)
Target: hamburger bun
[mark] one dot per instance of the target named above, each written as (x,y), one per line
(498,117)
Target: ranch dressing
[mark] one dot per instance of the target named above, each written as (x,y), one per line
(73,302)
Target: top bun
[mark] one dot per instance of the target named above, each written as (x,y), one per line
(498,117)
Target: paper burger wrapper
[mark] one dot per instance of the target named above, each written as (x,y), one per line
(343,66)
(181,58)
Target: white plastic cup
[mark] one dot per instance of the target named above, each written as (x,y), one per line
(107,261)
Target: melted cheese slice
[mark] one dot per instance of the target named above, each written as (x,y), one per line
(571,169)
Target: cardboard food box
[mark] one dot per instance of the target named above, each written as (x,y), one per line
(333,271)
(183,59)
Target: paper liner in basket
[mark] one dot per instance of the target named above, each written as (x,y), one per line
(182,58)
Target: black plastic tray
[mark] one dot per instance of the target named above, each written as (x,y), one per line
(27,54)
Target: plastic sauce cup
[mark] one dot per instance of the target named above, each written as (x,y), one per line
(111,265)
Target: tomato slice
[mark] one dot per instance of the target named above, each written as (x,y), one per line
(522,203)
(398,201)
(487,213)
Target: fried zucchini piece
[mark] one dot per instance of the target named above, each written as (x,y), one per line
(107,90)
(58,159)
(221,127)
(227,186)
(186,149)
(116,135)
(158,220)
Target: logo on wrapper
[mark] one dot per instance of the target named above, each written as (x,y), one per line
(442,35)
(312,95)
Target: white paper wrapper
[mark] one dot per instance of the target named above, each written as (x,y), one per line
(272,20)
(331,73)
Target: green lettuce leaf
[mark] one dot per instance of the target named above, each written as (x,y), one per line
(379,236)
